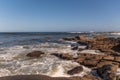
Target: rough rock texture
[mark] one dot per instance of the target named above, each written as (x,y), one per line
(75,70)
(103,43)
(108,72)
(43,77)
(35,54)
(107,64)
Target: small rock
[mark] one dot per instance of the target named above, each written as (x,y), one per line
(75,70)
(35,54)
(90,63)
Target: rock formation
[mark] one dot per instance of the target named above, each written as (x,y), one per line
(35,54)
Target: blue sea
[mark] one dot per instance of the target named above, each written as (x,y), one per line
(27,38)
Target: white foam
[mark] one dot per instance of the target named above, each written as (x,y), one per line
(4,72)
(91,51)
(57,72)
(75,32)
(13,60)
(117,33)
(61,70)
(118,71)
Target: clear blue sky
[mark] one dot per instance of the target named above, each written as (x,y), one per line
(59,15)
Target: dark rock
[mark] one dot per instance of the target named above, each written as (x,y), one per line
(118,77)
(75,48)
(117,59)
(82,42)
(35,54)
(108,72)
(90,77)
(90,63)
(43,77)
(75,70)
(105,62)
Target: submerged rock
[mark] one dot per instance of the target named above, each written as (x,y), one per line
(75,70)
(35,54)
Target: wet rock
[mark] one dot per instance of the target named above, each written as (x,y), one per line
(75,48)
(90,56)
(63,56)
(105,44)
(90,63)
(100,37)
(116,48)
(108,72)
(80,60)
(90,77)
(75,70)
(102,43)
(117,58)
(76,38)
(105,62)
(43,77)
(82,42)
(35,54)
(79,48)
(118,77)
(82,37)
(108,57)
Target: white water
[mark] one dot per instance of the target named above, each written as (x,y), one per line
(91,52)
(13,61)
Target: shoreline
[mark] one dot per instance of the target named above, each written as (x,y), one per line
(100,59)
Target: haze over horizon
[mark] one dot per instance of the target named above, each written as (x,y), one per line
(59,15)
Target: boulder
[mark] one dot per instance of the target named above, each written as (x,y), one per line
(90,63)
(75,70)
(108,72)
(35,54)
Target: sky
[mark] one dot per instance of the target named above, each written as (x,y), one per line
(59,15)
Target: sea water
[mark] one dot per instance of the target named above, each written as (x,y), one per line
(15,46)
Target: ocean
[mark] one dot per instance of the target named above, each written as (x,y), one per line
(14,46)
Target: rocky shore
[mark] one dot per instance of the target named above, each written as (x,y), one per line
(103,66)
